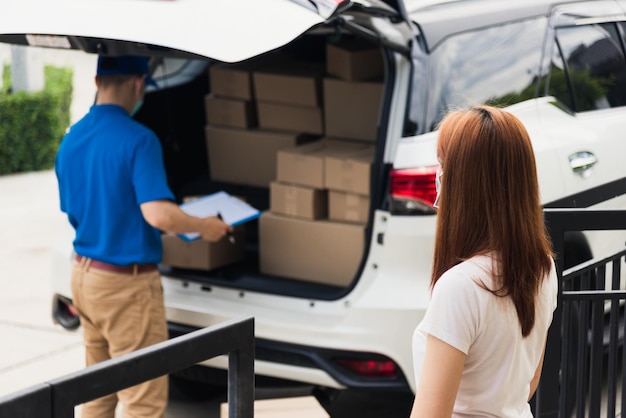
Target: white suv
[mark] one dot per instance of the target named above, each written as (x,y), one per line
(559,66)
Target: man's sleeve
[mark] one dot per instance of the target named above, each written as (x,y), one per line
(149,178)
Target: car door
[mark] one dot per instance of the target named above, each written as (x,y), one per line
(587,75)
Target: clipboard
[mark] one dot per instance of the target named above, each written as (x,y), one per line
(233,211)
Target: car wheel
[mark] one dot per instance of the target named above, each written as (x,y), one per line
(191,384)
(364,404)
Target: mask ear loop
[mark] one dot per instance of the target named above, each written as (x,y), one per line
(438,175)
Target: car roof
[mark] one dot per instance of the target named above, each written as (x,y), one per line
(439,19)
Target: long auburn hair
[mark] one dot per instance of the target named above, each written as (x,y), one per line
(489,203)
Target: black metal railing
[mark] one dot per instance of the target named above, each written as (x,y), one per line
(593,323)
(583,355)
(58,398)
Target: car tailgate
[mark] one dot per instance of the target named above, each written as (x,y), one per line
(225,30)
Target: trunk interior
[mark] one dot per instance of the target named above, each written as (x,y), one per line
(182,116)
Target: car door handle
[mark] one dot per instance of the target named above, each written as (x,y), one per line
(582,162)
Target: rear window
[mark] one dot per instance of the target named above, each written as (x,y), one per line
(171,72)
(496,65)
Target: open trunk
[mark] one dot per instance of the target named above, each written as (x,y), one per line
(268,130)
(237,83)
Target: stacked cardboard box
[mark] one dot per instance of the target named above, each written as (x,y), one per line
(298,238)
(348,179)
(253,111)
(319,191)
(289,96)
(231,101)
(352,90)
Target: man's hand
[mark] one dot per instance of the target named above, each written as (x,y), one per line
(169,217)
(214,229)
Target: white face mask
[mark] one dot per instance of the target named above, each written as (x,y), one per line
(438,186)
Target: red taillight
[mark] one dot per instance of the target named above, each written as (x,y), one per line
(370,368)
(414,183)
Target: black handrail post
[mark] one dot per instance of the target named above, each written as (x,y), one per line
(57,398)
(35,401)
(548,391)
(62,405)
(241,378)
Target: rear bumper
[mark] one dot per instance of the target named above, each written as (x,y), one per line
(301,356)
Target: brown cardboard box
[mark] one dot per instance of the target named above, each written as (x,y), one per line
(235,113)
(233,81)
(349,173)
(304,165)
(201,254)
(348,207)
(289,84)
(317,251)
(354,60)
(288,117)
(351,108)
(246,156)
(298,201)
(290,407)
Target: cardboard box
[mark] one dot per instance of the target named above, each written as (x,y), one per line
(290,84)
(201,254)
(354,60)
(235,113)
(298,201)
(349,173)
(298,406)
(348,207)
(246,157)
(305,165)
(233,81)
(293,118)
(317,251)
(351,108)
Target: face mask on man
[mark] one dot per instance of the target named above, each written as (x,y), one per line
(136,108)
(140,94)
(438,186)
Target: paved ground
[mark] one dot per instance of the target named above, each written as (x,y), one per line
(32,349)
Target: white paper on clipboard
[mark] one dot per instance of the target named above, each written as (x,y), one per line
(232,210)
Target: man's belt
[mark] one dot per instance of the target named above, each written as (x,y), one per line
(130,269)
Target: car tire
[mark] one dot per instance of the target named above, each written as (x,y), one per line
(189,385)
(363,403)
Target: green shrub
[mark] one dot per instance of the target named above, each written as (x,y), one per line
(32,124)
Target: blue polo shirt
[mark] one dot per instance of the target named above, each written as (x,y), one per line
(107,165)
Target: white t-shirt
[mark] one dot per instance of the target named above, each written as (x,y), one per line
(499,362)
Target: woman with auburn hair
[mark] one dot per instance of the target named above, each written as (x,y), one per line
(478,352)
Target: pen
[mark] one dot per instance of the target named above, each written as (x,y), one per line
(230,235)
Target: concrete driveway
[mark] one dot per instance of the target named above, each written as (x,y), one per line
(33,349)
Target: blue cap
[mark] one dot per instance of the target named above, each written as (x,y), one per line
(125,65)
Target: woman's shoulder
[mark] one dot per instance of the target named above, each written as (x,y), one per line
(472,273)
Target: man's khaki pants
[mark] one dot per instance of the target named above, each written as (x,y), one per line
(121,313)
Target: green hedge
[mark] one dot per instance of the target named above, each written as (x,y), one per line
(32,124)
